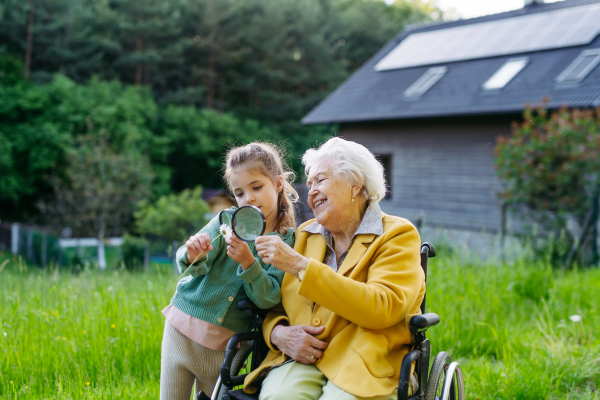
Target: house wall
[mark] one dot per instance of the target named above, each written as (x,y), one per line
(442,170)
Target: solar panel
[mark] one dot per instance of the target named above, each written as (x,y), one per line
(548,30)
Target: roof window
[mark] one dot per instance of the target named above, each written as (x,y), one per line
(506,73)
(425,82)
(580,67)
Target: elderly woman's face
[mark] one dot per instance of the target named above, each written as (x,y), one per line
(329,195)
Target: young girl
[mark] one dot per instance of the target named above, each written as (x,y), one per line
(203,315)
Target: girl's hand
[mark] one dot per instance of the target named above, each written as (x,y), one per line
(299,343)
(198,247)
(279,254)
(239,251)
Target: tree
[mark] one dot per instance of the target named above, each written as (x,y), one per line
(31,143)
(173,217)
(100,191)
(551,166)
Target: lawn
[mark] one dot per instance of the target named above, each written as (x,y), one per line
(94,334)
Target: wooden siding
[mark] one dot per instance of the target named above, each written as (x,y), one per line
(442,171)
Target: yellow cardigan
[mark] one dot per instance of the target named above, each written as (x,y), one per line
(365,307)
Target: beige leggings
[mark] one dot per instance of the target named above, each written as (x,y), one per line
(184,361)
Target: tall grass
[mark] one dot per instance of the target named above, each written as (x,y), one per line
(81,336)
(98,334)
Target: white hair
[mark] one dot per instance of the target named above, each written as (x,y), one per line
(354,161)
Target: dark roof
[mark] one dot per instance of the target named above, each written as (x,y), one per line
(209,193)
(370,95)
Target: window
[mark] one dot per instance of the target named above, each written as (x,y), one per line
(580,67)
(506,73)
(426,81)
(386,161)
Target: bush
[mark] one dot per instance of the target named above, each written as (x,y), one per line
(550,168)
(173,217)
(133,249)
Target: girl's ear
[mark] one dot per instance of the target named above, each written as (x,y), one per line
(279,186)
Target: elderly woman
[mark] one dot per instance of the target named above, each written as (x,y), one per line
(353,282)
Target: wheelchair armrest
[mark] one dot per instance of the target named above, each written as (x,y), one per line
(251,309)
(423,321)
(230,353)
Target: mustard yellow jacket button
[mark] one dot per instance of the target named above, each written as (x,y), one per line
(230,298)
(219,319)
(316,321)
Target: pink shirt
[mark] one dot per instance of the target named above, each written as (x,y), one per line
(208,335)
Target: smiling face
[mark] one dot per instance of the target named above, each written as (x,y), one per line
(330,197)
(252,188)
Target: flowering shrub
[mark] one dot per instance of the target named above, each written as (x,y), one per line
(551,165)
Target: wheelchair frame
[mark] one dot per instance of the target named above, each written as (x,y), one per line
(443,371)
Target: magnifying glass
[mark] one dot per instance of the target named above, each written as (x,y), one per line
(247,222)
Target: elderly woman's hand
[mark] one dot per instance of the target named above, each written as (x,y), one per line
(299,343)
(276,252)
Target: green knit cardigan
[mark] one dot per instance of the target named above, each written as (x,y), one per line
(217,282)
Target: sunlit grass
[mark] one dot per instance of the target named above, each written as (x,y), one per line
(98,334)
(90,335)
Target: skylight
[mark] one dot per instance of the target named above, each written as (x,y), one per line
(506,73)
(426,81)
(580,67)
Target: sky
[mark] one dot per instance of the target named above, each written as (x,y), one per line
(476,8)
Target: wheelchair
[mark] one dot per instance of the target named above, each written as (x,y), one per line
(246,350)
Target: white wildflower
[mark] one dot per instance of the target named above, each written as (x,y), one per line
(575,318)
(226,231)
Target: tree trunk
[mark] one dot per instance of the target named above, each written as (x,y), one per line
(27,66)
(210,85)
(588,225)
(138,65)
(101,254)
(146,74)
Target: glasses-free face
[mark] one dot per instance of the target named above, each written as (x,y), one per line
(329,196)
(252,188)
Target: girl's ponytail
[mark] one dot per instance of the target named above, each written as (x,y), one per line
(268,159)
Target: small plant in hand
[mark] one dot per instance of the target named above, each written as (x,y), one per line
(225,231)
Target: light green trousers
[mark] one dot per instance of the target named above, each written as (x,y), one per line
(296,381)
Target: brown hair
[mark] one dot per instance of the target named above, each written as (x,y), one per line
(268,159)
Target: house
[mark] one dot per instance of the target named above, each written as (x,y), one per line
(432,102)
(217,200)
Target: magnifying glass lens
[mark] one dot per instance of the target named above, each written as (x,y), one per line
(248,223)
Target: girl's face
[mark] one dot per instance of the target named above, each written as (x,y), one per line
(252,188)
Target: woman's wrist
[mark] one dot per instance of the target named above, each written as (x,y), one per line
(275,334)
(300,265)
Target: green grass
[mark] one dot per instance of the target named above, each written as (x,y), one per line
(508,326)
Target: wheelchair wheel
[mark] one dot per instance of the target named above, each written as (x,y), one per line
(240,362)
(439,384)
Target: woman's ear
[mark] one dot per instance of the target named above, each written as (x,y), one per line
(355,191)
(279,186)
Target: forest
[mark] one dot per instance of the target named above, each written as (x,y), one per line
(131,100)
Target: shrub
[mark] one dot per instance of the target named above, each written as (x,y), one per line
(174,216)
(133,249)
(550,167)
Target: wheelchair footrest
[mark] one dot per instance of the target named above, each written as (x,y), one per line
(239,395)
